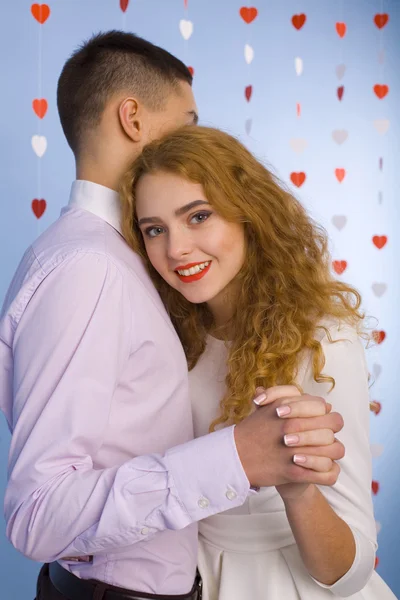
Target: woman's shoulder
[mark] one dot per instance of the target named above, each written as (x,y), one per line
(330,329)
(340,341)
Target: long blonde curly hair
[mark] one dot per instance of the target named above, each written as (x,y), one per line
(285,285)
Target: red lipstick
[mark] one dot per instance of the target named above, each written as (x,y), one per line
(196,276)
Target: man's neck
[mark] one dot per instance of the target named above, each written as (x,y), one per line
(106,179)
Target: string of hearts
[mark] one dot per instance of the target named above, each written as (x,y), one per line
(41,13)
(381,90)
(379,289)
(299,145)
(186,28)
(248,15)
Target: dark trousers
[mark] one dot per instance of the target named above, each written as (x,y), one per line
(45,590)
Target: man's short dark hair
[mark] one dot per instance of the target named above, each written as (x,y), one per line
(109,63)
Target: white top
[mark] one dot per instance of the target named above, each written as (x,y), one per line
(250,552)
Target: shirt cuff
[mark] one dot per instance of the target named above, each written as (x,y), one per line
(207,474)
(360,571)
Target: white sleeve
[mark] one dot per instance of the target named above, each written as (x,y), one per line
(351,496)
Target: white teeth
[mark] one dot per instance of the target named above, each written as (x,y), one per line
(193,270)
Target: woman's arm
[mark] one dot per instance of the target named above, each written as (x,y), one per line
(325,541)
(335,526)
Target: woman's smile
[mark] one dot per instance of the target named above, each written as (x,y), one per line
(193,271)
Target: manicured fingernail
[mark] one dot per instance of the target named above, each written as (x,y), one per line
(298,458)
(291,440)
(260,399)
(282,411)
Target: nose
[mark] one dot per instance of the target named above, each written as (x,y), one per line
(180,243)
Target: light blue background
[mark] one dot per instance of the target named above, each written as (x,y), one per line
(215,50)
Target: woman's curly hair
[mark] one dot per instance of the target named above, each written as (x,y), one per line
(285,285)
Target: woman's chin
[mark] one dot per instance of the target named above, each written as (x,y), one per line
(196,296)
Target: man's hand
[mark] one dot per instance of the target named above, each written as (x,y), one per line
(267,446)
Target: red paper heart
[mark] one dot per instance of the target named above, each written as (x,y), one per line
(40,107)
(375,487)
(380,20)
(376,562)
(298,178)
(381,90)
(375,407)
(41,12)
(124,5)
(248,13)
(339,266)
(341,29)
(248,92)
(340,92)
(298,109)
(299,20)
(340,174)
(38,207)
(191,71)
(379,241)
(378,336)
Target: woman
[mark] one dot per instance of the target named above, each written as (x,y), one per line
(244,274)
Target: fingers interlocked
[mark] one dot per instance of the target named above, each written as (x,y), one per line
(309,426)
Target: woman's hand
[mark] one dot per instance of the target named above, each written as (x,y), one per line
(317,449)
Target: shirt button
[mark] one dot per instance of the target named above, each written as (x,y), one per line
(231,495)
(203,502)
(145,531)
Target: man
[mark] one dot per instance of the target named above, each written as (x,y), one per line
(105,481)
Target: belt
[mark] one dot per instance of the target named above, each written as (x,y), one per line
(74,588)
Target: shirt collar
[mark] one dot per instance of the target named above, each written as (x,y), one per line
(97,199)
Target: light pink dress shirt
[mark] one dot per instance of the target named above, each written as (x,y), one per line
(93,383)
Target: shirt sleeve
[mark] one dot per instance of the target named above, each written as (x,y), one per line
(351,496)
(71,342)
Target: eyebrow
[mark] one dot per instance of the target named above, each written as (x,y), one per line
(179,212)
(195,116)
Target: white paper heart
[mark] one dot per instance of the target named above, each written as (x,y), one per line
(379,289)
(186,28)
(248,54)
(248,125)
(298,145)
(376,450)
(39,145)
(376,370)
(340,135)
(340,71)
(378,527)
(382,125)
(298,65)
(380,197)
(339,221)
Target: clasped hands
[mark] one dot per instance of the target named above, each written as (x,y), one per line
(300,450)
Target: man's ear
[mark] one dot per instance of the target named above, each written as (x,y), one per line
(130,120)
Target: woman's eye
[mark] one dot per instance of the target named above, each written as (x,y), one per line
(153,231)
(200,217)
